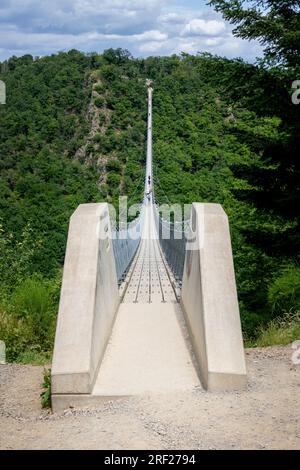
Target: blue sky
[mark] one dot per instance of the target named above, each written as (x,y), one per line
(145,27)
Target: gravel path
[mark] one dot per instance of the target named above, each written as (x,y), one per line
(265,416)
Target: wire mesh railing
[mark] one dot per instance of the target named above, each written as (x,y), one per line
(125,244)
(172,238)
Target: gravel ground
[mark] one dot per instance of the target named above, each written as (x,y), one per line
(265,416)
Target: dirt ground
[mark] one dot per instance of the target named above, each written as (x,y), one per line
(265,416)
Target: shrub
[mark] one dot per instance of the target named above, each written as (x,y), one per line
(90,148)
(113,180)
(16,333)
(97,137)
(16,256)
(28,319)
(284,293)
(99,101)
(281,331)
(102,119)
(99,88)
(32,298)
(113,165)
(33,301)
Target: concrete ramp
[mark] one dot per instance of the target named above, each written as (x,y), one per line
(147,352)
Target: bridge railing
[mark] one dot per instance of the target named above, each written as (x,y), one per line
(126,241)
(172,238)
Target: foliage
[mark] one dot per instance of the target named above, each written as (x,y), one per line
(275,23)
(41,127)
(74,131)
(35,356)
(46,394)
(281,331)
(284,292)
(32,300)
(99,101)
(16,256)
(16,334)
(28,318)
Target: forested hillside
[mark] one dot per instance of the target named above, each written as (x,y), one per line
(74,130)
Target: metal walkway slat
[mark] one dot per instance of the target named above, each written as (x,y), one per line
(148,280)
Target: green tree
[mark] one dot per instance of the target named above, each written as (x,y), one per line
(274,23)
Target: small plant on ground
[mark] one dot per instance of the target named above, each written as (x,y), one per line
(46,394)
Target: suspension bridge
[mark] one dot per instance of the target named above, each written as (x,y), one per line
(149,307)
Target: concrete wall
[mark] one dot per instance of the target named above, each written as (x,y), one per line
(209,301)
(88,303)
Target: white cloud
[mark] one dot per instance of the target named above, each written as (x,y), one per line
(200,26)
(213,41)
(40,43)
(150,36)
(77,16)
(171,18)
(226,45)
(152,47)
(161,27)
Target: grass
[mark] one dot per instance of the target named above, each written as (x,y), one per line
(35,357)
(281,331)
(27,321)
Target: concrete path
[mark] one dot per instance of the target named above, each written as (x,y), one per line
(149,350)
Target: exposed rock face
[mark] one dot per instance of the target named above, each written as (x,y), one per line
(97,126)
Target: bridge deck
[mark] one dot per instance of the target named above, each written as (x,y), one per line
(148,280)
(149,350)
